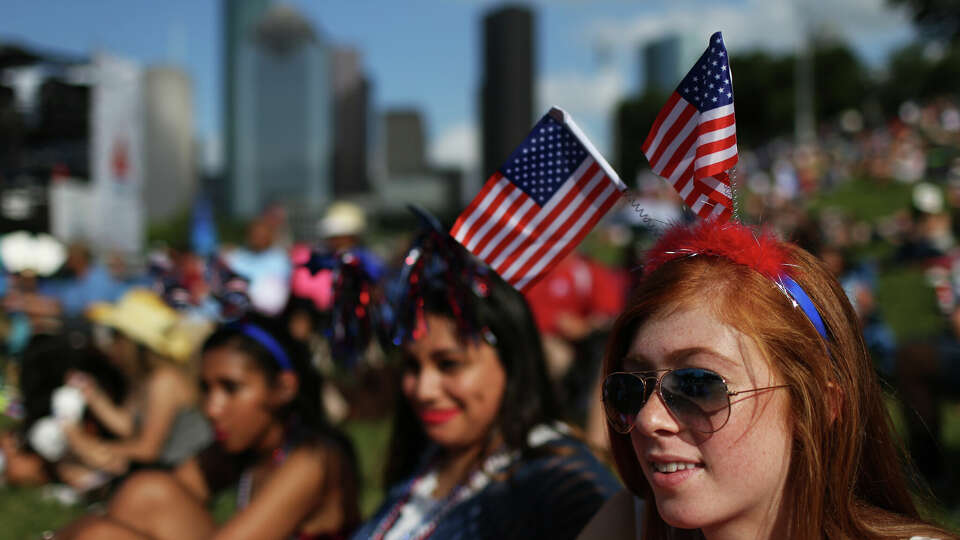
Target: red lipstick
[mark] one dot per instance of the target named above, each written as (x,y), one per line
(437,416)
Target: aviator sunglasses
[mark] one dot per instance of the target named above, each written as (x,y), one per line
(697,398)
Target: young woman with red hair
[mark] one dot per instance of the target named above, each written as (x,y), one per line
(741,401)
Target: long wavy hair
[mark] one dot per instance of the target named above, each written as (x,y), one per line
(528,398)
(847,473)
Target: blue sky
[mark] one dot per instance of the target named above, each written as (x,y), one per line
(424,53)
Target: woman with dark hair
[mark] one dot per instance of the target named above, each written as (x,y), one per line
(742,403)
(296,475)
(477,449)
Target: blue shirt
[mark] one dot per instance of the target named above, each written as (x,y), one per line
(552,495)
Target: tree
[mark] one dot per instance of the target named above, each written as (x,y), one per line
(840,80)
(634,116)
(915,75)
(763,87)
(937,19)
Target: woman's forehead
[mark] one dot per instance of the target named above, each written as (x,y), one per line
(440,332)
(228,360)
(689,333)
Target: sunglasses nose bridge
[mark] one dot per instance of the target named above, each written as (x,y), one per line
(651,385)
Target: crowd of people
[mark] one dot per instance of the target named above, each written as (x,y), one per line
(734,380)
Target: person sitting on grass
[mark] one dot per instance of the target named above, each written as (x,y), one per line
(296,475)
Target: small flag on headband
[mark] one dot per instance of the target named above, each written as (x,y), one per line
(693,141)
(540,203)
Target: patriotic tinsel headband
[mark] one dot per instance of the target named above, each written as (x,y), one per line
(438,264)
(742,245)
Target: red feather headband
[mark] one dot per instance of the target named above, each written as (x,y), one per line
(741,244)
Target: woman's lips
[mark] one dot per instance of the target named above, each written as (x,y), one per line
(220,435)
(669,477)
(437,416)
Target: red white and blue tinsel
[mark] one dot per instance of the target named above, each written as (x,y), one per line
(355,319)
(436,263)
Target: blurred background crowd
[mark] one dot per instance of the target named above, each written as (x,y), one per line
(124,240)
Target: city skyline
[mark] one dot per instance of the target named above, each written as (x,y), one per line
(426,55)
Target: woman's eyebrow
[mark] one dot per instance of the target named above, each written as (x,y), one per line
(443,352)
(681,355)
(636,362)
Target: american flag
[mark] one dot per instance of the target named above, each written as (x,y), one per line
(539,205)
(693,141)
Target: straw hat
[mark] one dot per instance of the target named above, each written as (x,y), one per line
(143,317)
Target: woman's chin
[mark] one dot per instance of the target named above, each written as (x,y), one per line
(442,437)
(680,514)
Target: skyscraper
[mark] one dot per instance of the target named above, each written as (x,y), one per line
(239,89)
(351,94)
(665,60)
(404,143)
(170,177)
(509,73)
(293,108)
(279,146)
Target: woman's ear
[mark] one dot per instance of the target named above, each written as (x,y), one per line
(285,388)
(834,400)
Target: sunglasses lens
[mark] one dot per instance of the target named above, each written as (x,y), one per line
(623,397)
(697,397)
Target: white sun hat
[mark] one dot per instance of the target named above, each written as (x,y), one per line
(342,219)
(40,254)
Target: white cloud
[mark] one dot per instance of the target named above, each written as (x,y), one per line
(588,97)
(457,146)
(775,25)
(582,94)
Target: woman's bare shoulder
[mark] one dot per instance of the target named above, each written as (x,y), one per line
(614,520)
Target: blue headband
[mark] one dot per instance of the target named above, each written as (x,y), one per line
(261,336)
(803,301)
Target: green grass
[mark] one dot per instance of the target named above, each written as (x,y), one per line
(908,304)
(25,513)
(866,200)
(370,438)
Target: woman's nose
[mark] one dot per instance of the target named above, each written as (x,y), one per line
(428,385)
(654,418)
(213,404)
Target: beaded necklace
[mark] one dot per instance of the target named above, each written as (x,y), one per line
(478,480)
